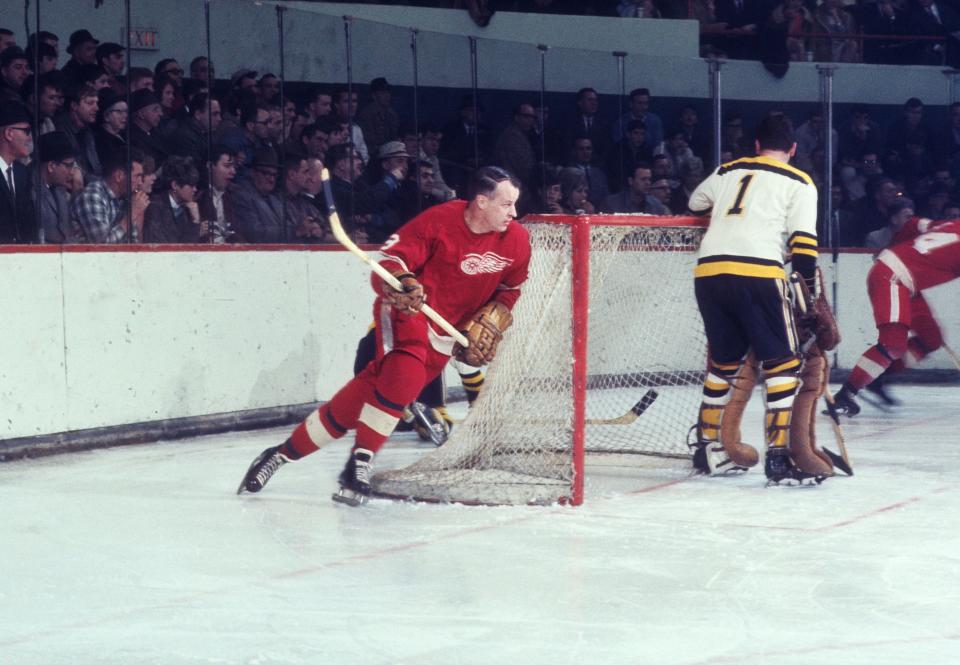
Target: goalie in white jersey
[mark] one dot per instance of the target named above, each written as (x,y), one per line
(762,211)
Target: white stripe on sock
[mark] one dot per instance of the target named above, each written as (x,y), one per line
(379,421)
(318,434)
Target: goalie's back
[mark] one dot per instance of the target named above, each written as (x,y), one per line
(755,204)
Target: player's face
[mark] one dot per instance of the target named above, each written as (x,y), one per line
(500,208)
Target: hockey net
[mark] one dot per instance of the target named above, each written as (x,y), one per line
(607,322)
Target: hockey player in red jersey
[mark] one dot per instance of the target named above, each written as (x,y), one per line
(923,254)
(470,259)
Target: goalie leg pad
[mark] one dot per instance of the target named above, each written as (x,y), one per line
(742,454)
(716,451)
(803,435)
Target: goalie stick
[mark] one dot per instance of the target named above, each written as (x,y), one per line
(841,461)
(344,239)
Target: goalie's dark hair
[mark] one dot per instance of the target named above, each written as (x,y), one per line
(485,179)
(775,132)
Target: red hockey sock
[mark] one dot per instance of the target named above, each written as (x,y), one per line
(871,365)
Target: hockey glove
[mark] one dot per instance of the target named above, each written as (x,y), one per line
(484,333)
(408,301)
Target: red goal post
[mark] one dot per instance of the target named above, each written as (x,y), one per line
(606,356)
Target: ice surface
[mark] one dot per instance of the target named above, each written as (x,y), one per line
(144,555)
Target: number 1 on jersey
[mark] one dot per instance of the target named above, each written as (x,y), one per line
(737,207)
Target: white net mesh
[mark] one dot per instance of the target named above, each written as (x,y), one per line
(516,445)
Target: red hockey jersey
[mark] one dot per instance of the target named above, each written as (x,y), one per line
(925,253)
(460,270)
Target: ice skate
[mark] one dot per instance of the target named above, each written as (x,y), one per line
(261,469)
(355,479)
(844,402)
(710,458)
(877,389)
(429,424)
(778,466)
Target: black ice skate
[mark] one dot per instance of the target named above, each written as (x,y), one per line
(778,466)
(878,389)
(355,479)
(261,469)
(844,403)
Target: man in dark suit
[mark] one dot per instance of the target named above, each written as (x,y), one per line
(56,165)
(929,18)
(587,123)
(17,220)
(744,18)
(461,136)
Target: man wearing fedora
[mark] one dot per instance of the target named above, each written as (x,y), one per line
(83,51)
(55,169)
(112,58)
(17,220)
(257,208)
(378,119)
(145,116)
(110,133)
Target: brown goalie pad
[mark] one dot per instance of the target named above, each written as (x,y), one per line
(828,333)
(741,454)
(803,437)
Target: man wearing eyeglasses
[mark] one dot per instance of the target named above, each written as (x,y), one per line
(57,164)
(16,201)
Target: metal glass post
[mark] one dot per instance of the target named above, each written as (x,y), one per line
(714,69)
(476,103)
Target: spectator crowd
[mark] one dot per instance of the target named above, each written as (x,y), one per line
(84,159)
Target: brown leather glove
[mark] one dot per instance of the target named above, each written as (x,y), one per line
(484,333)
(410,299)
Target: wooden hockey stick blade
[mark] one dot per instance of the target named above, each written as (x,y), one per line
(337,227)
(635,411)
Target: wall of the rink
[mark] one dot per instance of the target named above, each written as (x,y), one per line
(97,338)
(663,54)
(101,338)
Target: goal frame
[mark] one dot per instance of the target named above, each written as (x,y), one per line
(580,296)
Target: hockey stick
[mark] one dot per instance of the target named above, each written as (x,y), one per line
(635,411)
(344,239)
(629,417)
(841,461)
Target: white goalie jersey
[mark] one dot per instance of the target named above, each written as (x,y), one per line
(760,209)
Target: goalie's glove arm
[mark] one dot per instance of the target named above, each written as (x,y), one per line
(803,256)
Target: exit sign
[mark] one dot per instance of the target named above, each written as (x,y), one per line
(145,39)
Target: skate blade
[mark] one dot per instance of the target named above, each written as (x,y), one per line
(875,401)
(810,481)
(349,497)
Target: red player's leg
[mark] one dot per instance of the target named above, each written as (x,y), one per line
(891,347)
(399,380)
(891,311)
